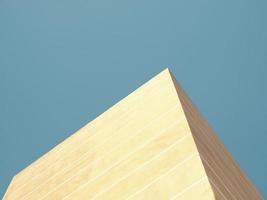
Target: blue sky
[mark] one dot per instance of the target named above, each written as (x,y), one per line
(62,63)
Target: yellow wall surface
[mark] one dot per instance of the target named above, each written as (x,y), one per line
(153,144)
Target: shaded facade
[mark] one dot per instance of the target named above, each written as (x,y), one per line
(153,144)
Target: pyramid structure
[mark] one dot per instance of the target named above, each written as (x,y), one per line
(152,145)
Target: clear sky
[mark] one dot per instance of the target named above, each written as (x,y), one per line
(64,62)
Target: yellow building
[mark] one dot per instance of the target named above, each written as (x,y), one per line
(152,145)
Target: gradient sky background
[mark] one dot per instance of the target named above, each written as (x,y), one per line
(62,63)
